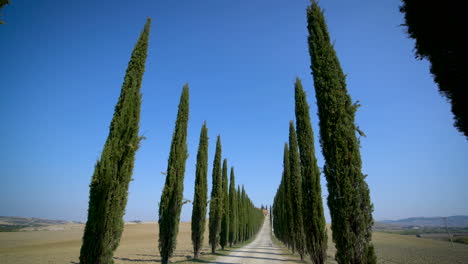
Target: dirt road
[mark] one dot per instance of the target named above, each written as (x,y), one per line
(260,251)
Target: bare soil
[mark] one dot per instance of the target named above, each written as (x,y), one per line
(139,244)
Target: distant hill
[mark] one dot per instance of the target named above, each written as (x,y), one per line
(452,221)
(29,221)
(14,223)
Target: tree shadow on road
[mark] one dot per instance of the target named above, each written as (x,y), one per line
(205,261)
(137,259)
(260,252)
(251,257)
(265,248)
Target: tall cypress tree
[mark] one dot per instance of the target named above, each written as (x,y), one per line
(348,199)
(233,221)
(201,193)
(245,215)
(282,212)
(240,216)
(296,191)
(113,172)
(314,219)
(216,199)
(439,29)
(281,230)
(171,198)
(224,234)
(289,223)
(271,217)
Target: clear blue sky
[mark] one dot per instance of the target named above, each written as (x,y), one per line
(63,62)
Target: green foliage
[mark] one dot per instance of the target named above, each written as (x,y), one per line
(461,240)
(271,217)
(201,193)
(349,199)
(113,172)
(439,29)
(224,234)
(251,218)
(245,215)
(215,214)
(240,216)
(314,219)
(11,228)
(296,192)
(288,223)
(241,220)
(233,221)
(171,198)
(283,225)
(3,3)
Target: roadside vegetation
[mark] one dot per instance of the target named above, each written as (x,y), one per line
(12,228)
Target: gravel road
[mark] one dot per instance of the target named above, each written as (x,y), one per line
(260,251)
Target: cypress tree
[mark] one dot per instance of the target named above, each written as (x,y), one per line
(254,217)
(2,4)
(282,209)
(296,191)
(250,218)
(201,193)
(233,223)
(240,216)
(280,221)
(283,212)
(216,199)
(244,214)
(348,199)
(113,172)
(224,234)
(271,217)
(277,213)
(171,198)
(439,29)
(288,223)
(314,219)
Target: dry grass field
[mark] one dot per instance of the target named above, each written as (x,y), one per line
(139,245)
(393,248)
(399,249)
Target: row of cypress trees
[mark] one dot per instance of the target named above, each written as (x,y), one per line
(233,217)
(298,218)
(250,218)
(231,212)
(297,208)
